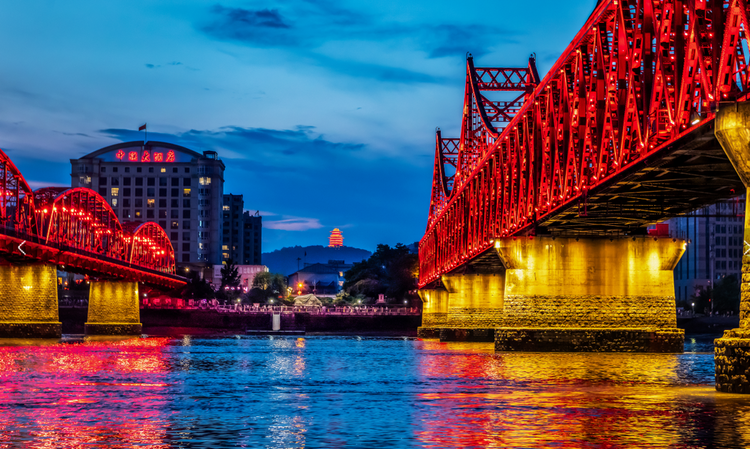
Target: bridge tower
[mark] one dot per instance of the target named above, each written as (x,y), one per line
(113,308)
(732,351)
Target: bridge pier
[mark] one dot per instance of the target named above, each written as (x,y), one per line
(564,294)
(732,351)
(113,309)
(28,302)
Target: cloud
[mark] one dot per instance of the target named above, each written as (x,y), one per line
(41,184)
(263,27)
(293,224)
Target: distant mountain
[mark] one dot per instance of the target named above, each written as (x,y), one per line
(284,260)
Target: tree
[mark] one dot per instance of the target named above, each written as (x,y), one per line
(267,286)
(230,281)
(725,296)
(196,288)
(389,271)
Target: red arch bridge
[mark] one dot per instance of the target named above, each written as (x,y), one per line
(75,230)
(536,229)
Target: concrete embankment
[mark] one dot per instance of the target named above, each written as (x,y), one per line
(180,321)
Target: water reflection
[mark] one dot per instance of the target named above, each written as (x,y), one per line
(100,392)
(287,392)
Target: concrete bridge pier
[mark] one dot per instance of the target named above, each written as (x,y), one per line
(28,302)
(732,351)
(113,309)
(589,294)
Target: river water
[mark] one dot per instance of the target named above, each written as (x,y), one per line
(351,392)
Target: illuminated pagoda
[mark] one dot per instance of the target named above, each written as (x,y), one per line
(336,240)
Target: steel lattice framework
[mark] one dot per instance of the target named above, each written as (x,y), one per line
(640,76)
(77,227)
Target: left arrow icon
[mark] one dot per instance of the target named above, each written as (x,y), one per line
(19,247)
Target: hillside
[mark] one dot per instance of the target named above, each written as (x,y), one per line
(284,260)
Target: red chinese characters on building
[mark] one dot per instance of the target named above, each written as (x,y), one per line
(146,156)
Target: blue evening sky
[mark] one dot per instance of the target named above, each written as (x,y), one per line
(324,112)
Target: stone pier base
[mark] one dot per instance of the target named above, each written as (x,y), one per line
(113,329)
(113,309)
(467,334)
(30,330)
(589,340)
(732,360)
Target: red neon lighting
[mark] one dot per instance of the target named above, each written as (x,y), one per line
(133,156)
(170,156)
(146,156)
(120,154)
(158,157)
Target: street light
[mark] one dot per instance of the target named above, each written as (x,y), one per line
(693,308)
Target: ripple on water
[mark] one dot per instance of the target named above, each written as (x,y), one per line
(357,392)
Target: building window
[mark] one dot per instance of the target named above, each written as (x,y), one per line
(225,247)
(138,169)
(162,192)
(186,246)
(175,192)
(126,181)
(186,257)
(151,181)
(163,170)
(103,191)
(138,191)
(163,224)
(114,202)
(186,214)
(174,236)
(126,202)
(127,170)
(162,202)
(151,169)
(114,169)
(187,169)
(175,202)
(174,213)
(104,169)
(204,223)
(103,181)
(138,181)
(149,213)
(139,202)
(186,224)
(175,181)
(150,203)
(150,191)
(162,181)
(186,193)
(175,225)
(162,213)
(204,181)
(185,236)
(226,207)
(186,182)
(137,214)
(115,191)
(115,181)
(126,191)
(126,213)
(186,204)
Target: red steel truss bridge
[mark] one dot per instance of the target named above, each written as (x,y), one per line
(617,136)
(76,229)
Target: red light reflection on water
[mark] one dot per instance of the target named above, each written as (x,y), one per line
(481,399)
(90,394)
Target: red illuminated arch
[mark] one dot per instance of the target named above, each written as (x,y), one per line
(149,246)
(80,218)
(16,199)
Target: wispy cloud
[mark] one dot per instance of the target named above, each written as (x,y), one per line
(293,224)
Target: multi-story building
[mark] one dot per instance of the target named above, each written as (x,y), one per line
(714,249)
(178,188)
(241,232)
